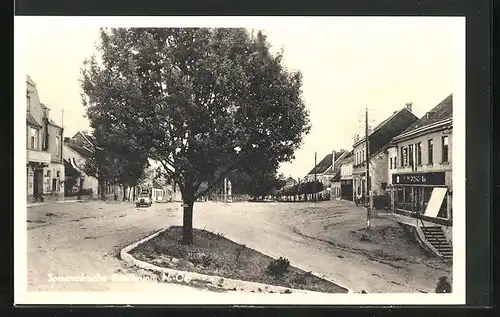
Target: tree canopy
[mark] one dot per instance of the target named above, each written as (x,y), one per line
(203,102)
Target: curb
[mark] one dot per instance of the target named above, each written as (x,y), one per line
(56,202)
(221,282)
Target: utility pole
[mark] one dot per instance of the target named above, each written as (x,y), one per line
(314,190)
(367,175)
(225,190)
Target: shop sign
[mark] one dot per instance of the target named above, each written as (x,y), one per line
(435,178)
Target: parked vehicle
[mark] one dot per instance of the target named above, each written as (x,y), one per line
(143,200)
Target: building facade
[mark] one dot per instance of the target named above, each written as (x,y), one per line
(346,186)
(336,182)
(422,166)
(75,156)
(44,150)
(379,141)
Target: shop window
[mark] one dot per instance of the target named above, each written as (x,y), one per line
(430,152)
(384,186)
(398,198)
(444,145)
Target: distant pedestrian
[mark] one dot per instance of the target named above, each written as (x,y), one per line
(443,285)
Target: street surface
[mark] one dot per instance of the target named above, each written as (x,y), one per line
(86,238)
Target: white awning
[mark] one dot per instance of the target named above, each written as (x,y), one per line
(435,202)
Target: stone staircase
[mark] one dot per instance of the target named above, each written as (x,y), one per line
(435,236)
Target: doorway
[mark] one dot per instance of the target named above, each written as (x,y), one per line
(37,183)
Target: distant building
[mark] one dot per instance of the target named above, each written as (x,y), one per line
(336,182)
(420,166)
(76,151)
(324,171)
(379,141)
(44,157)
(290,182)
(346,189)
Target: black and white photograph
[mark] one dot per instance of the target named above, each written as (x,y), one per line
(240,160)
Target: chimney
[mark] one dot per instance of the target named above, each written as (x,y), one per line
(85,132)
(356,137)
(408,106)
(66,139)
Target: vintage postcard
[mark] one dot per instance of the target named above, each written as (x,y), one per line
(240,160)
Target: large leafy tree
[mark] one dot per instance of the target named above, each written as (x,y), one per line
(203,102)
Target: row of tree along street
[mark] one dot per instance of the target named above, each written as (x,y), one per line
(302,191)
(204,103)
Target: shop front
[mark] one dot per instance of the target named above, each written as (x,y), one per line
(427,195)
(346,189)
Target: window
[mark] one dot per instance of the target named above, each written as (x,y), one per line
(28,103)
(444,142)
(33,139)
(405,156)
(395,162)
(410,154)
(402,157)
(390,163)
(58,145)
(384,186)
(418,147)
(54,184)
(430,150)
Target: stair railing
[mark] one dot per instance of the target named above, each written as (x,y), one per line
(431,233)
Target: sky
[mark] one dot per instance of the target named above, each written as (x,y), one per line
(348,65)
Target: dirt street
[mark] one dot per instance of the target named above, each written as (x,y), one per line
(326,238)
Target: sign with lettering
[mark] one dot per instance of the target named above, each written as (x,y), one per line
(433,178)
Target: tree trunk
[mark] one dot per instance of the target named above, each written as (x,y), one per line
(187,221)
(102,185)
(80,184)
(124,192)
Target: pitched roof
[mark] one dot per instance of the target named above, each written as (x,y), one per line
(290,179)
(83,151)
(156,184)
(388,129)
(31,121)
(51,122)
(87,137)
(442,111)
(325,166)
